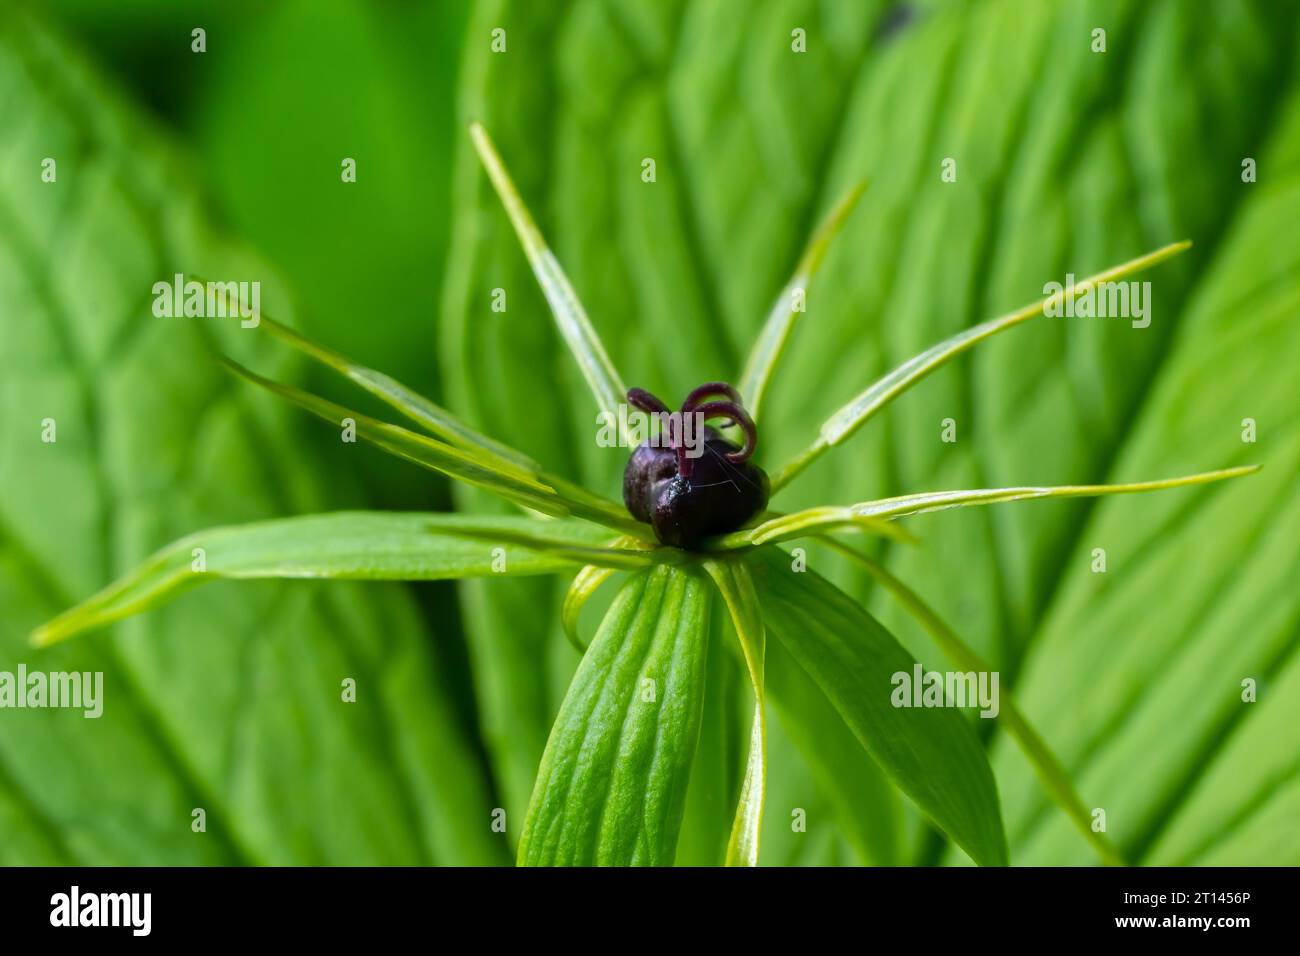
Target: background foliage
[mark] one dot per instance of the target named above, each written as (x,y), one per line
(1068,160)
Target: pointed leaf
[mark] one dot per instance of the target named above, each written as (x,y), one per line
(355,545)
(856,413)
(800,524)
(436,419)
(570,317)
(612,781)
(769,346)
(409,402)
(932,754)
(869,514)
(1053,776)
(496,476)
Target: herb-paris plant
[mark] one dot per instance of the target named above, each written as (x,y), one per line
(612,781)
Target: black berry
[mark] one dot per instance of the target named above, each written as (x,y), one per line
(693,483)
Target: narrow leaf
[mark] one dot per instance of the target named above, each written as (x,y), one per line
(570,317)
(612,781)
(504,479)
(356,545)
(429,415)
(871,514)
(585,584)
(736,585)
(536,535)
(800,524)
(767,350)
(434,418)
(931,753)
(1051,774)
(856,413)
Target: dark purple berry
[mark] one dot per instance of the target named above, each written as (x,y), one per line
(686,499)
(647,466)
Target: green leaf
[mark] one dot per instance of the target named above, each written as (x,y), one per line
(228,701)
(358,546)
(930,753)
(767,349)
(570,317)
(874,515)
(410,403)
(736,585)
(1069,160)
(1065,402)
(864,802)
(583,587)
(1199,595)
(840,426)
(471,466)
(1055,780)
(612,780)
(712,794)
(356,256)
(812,521)
(442,423)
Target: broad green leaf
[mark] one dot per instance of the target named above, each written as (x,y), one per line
(862,408)
(228,701)
(736,585)
(790,304)
(874,515)
(930,753)
(1051,401)
(1066,157)
(359,546)
(1054,778)
(570,317)
(612,781)
(1198,603)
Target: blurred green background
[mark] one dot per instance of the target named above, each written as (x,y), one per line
(227,162)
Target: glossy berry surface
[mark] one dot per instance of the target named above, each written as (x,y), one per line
(688,493)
